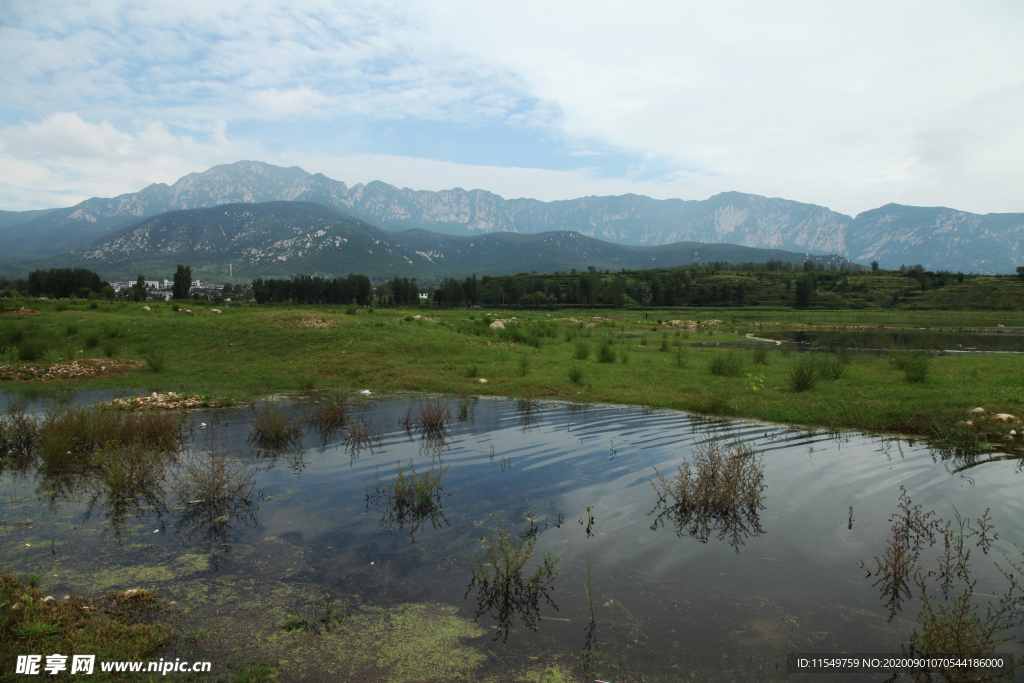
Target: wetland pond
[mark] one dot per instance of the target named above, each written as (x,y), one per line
(517,541)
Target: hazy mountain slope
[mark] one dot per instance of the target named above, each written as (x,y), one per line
(896,234)
(911,235)
(9,219)
(286,238)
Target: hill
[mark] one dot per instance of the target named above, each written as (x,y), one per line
(937,237)
(275,239)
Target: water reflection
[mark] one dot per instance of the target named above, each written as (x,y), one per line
(503,590)
(217,498)
(410,499)
(128,483)
(722,495)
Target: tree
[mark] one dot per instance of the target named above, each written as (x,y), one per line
(874,266)
(804,290)
(182,282)
(139,288)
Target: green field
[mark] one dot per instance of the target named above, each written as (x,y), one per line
(249,351)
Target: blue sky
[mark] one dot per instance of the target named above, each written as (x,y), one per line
(848,105)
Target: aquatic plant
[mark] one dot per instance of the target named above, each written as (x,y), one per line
(949,618)
(360,432)
(329,417)
(721,494)
(411,499)
(505,591)
(274,429)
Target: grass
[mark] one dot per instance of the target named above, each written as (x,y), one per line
(116,627)
(249,352)
(727,364)
(804,374)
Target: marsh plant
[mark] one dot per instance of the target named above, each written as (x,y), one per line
(523,366)
(506,589)
(360,433)
(127,481)
(720,493)
(581,350)
(915,365)
(217,497)
(329,417)
(411,499)
(950,618)
(156,360)
(728,364)
(681,358)
(274,429)
(760,355)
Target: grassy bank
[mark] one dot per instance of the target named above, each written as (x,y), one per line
(617,357)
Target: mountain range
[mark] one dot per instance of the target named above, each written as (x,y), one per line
(936,237)
(289,237)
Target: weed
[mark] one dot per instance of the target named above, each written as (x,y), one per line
(680,358)
(111,349)
(760,355)
(307,382)
(31,350)
(623,357)
(274,429)
(472,371)
(643,341)
(523,366)
(350,310)
(803,376)
(722,494)
(329,417)
(582,350)
(664,344)
(94,305)
(504,591)
(916,367)
(71,329)
(92,341)
(155,360)
(576,374)
(605,353)
(836,367)
(728,364)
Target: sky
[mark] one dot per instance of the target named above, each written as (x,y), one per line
(848,105)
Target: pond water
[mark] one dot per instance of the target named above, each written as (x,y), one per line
(884,340)
(720,593)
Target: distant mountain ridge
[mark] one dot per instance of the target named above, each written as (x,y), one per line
(289,237)
(938,238)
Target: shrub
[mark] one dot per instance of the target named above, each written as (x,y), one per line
(523,367)
(472,371)
(664,344)
(605,353)
(576,374)
(623,357)
(582,350)
(94,305)
(155,360)
(92,341)
(836,367)
(72,330)
(307,382)
(351,310)
(643,341)
(680,358)
(760,355)
(728,364)
(110,350)
(804,375)
(916,367)
(31,350)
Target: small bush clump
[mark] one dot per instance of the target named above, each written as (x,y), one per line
(605,353)
(728,364)
(582,350)
(576,374)
(760,355)
(804,375)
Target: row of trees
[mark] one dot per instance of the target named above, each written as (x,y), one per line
(307,289)
(63,283)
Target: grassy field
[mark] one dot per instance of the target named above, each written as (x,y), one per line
(617,357)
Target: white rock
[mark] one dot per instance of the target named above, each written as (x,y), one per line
(1013,432)
(365,392)
(482,381)
(978,410)
(214,310)
(417,317)
(145,308)
(1005,417)
(497,325)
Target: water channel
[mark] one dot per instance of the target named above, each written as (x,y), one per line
(634,590)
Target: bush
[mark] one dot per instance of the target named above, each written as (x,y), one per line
(576,374)
(31,350)
(623,357)
(836,367)
(582,350)
(274,429)
(761,355)
(605,353)
(727,364)
(155,360)
(94,305)
(523,367)
(664,344)
(351,310)
(916,367)
(472,371)
(680,358)
(804,375)
(110,350)
(72,330)
(92,341)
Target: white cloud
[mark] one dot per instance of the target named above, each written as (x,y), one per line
(847,105)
